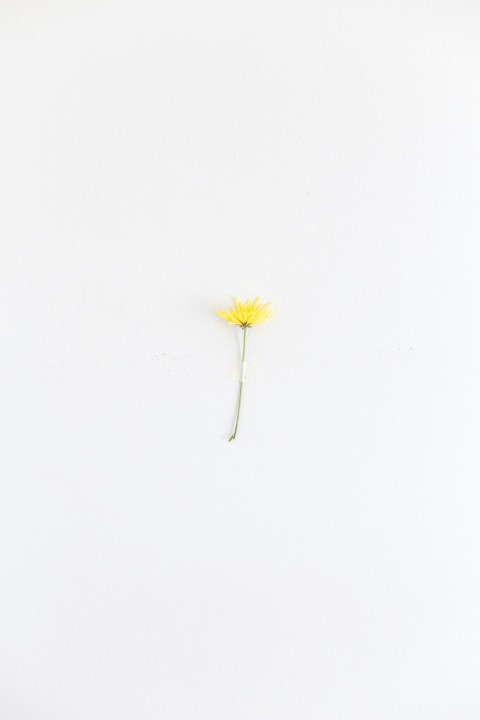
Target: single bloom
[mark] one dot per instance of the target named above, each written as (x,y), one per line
(247,313)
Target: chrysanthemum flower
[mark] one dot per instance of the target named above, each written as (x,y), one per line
(245,315)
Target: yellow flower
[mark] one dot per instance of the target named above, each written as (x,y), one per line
(247,313)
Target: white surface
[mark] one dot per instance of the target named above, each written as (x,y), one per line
(156,158)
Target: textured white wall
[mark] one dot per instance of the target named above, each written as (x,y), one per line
(156,158)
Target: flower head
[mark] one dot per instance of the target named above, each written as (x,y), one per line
(247,313)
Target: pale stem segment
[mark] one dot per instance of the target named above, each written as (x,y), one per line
(232,437)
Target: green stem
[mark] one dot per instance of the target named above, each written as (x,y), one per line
(232,437)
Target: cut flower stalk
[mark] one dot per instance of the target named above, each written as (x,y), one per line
(245,315)
(234,434)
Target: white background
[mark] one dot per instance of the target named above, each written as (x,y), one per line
(157,158)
